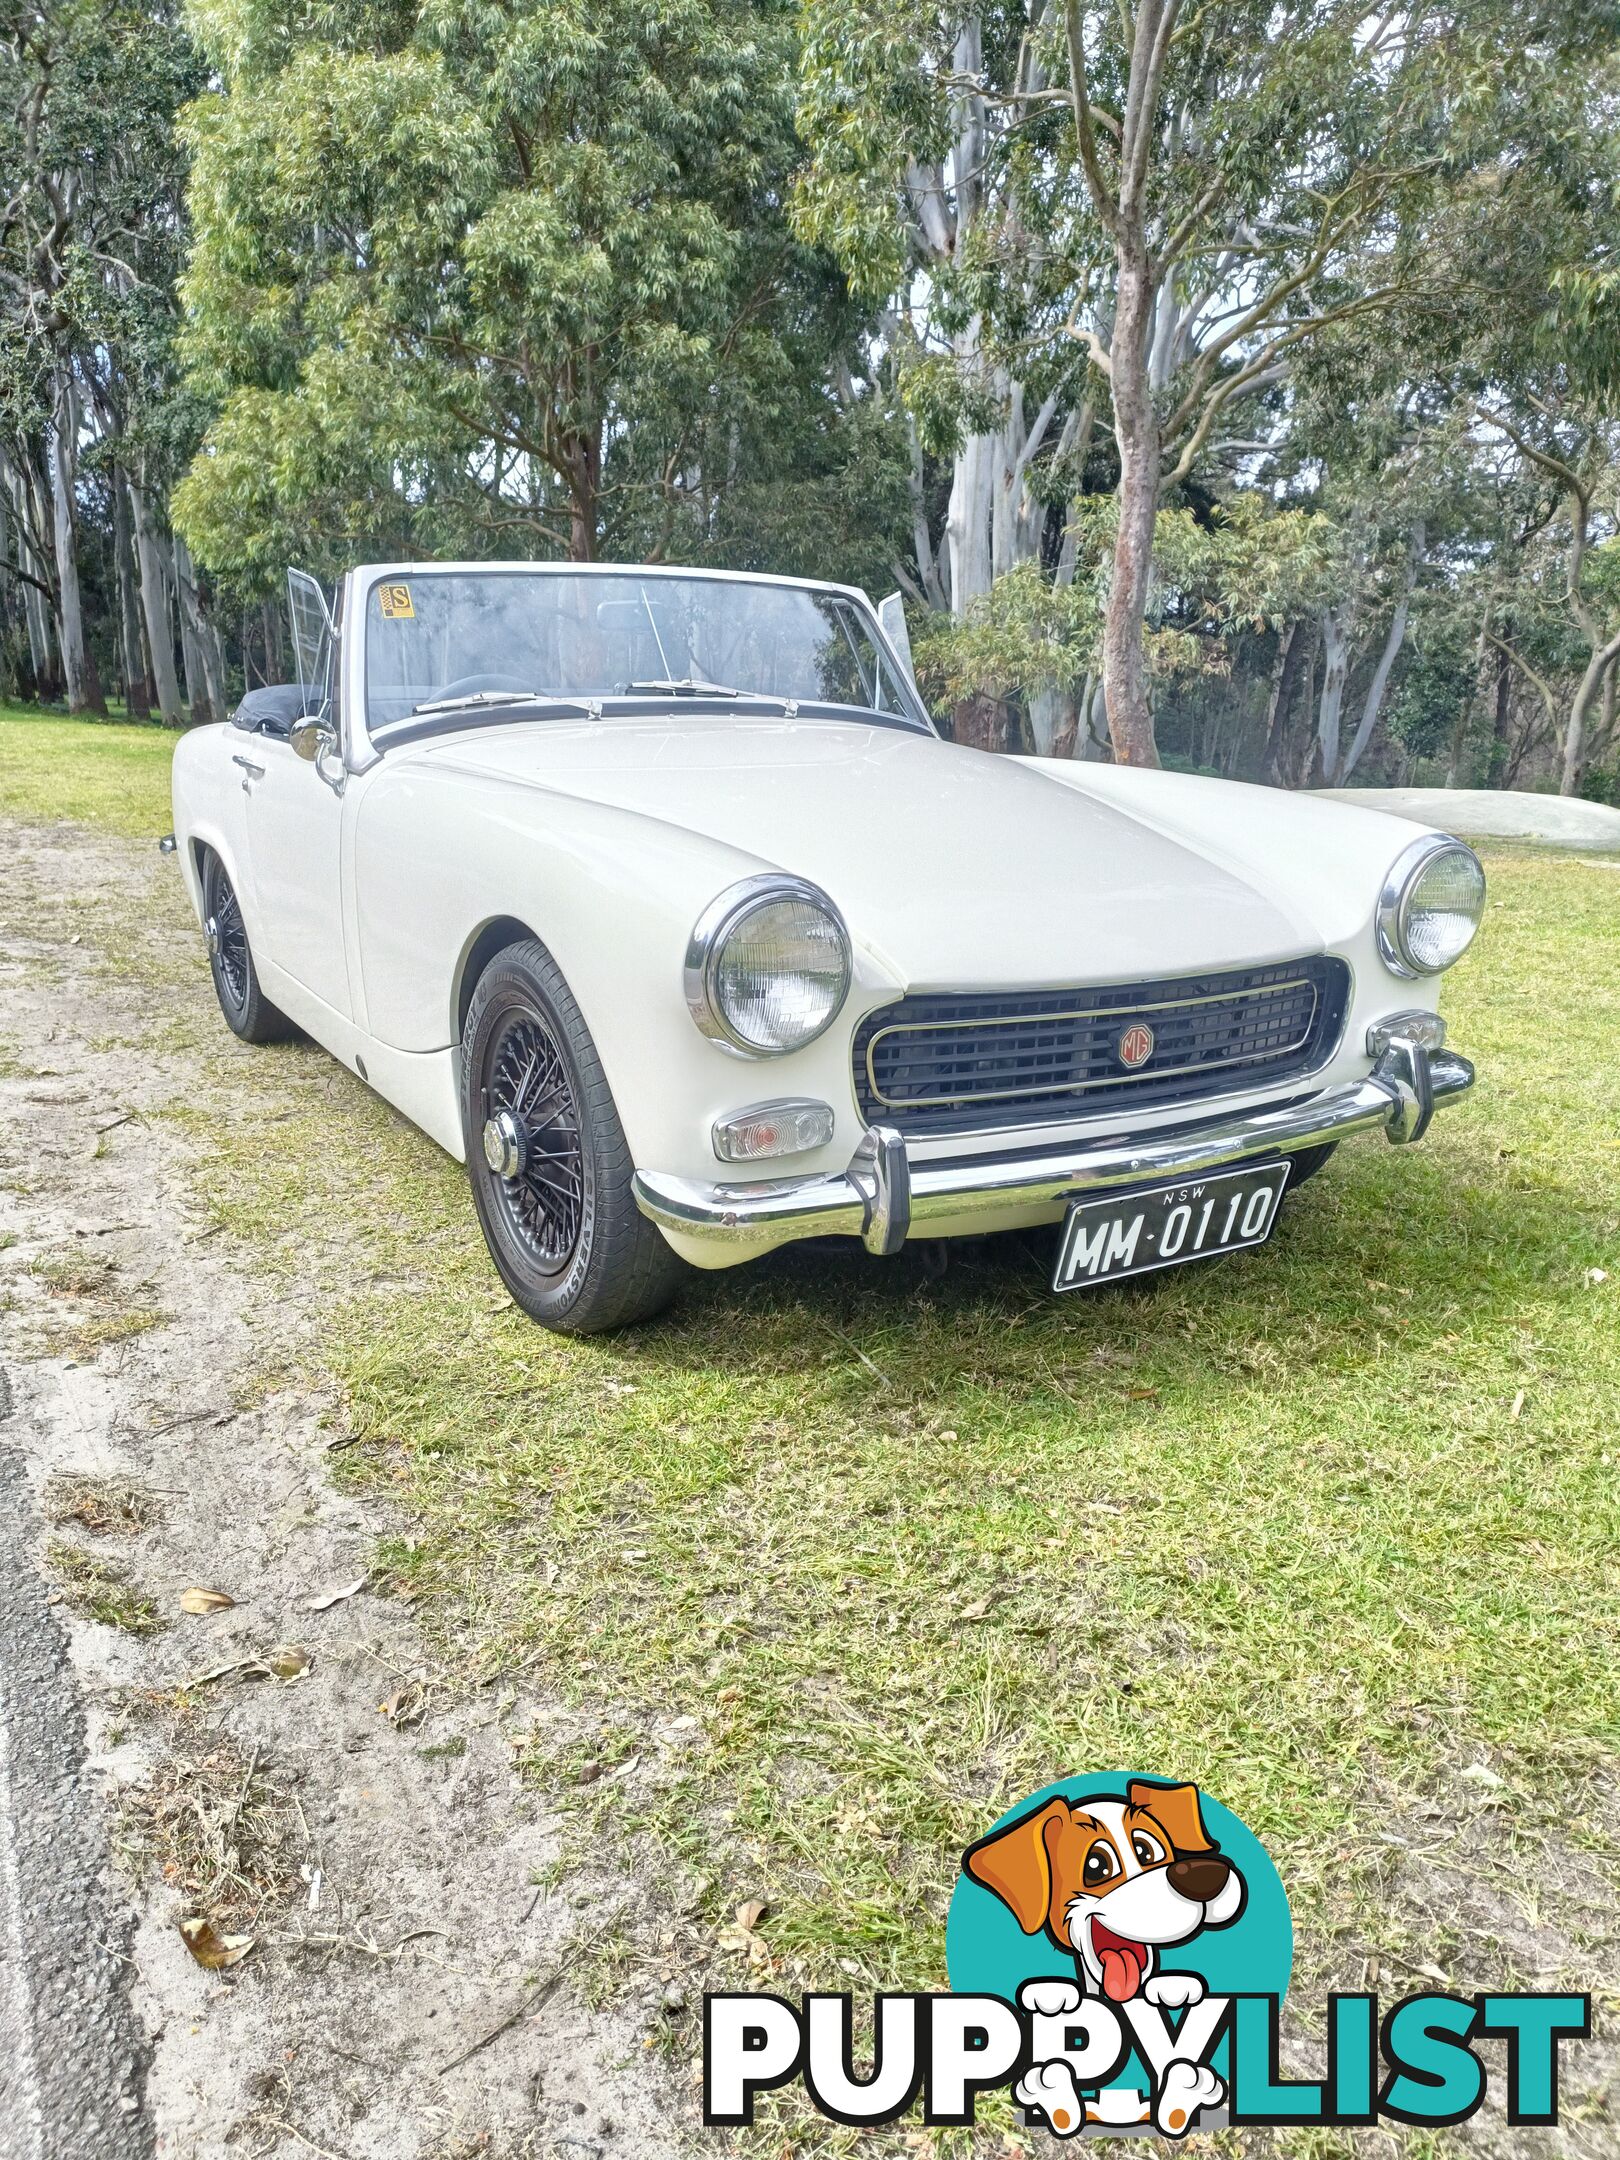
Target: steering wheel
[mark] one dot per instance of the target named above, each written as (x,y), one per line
(470,685)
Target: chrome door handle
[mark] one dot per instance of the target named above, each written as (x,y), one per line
(248,766)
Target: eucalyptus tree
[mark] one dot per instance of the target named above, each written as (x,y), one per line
(931,174)
(89,252)
(1186,197)
(500,278)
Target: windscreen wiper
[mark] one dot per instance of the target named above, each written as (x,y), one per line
(686,686)
(483,697)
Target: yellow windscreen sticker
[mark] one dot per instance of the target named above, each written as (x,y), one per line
(395,602)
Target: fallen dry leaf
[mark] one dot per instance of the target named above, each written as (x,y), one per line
(206,1601)
(210,1948)
(751,1913)
(336,1597)
(406,1706)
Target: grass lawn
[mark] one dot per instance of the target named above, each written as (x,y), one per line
(100,772)
(795,1590)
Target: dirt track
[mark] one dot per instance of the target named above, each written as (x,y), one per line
(360,1823)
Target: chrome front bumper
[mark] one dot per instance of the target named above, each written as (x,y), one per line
(883,1196)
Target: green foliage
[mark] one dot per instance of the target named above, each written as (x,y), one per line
(478,279)
(1241,568)
(1026,634)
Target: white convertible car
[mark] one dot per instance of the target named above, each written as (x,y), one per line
(654,897)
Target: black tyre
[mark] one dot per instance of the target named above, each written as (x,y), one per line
(1307,1161)
(547,1156)
(248,1012)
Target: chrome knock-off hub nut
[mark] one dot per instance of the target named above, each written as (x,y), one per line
(506,1144)
(211,933)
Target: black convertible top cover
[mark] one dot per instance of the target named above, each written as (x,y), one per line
(270,710)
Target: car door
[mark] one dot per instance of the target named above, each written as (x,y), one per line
(295,826)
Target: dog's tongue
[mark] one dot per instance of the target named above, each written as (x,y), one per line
(1121,1969)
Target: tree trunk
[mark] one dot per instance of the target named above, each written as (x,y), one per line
(1335,669)
(137,689)
(584,456)
(83,694)
(985,722)
(40,651)
(198,702)
(932,585)
(1136,430)
(1284,674)
(1096,747)
(1580,716)
(1374,702)
(274,660)
(198,644)
(1302,748)
(9,605)
(1054,717)
(155,607)
(967,521)
(1501,718)
(34,553)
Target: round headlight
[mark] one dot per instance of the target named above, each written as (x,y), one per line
(1431,906)
(767,967)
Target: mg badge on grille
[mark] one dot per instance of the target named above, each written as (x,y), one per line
(1135,1046)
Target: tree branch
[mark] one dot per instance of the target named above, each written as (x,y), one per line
(1101,194)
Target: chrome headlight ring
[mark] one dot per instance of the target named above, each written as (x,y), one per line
(1406,874)
(706,948)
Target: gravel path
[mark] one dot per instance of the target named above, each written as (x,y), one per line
(399,2000)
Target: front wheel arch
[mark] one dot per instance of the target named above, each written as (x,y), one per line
(482,951)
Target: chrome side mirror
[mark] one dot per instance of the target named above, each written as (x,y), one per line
(316,743)
(309,737)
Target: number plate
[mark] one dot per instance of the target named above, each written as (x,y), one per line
(1193,1219)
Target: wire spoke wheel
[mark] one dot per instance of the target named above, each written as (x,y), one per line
(529,1092)
(231,946)
(551,1170)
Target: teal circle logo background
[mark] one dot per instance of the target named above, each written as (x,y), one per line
(988,1953)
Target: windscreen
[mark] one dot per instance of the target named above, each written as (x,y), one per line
(451,634)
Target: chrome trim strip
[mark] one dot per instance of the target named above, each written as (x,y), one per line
(864,1202)
(1085,1087)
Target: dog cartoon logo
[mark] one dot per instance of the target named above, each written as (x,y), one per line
(1113,1881)
(1121,1892)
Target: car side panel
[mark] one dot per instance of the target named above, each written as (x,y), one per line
(440,853)
(210,809)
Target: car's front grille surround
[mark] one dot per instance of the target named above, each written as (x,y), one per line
(941,1063)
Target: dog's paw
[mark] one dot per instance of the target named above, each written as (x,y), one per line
(1050,2087)
(1183,2090)
(1050,1998)
(1174,1991)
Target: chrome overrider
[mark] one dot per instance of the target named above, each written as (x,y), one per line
(884,1195)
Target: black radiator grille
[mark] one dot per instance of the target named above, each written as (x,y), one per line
(940,1063)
